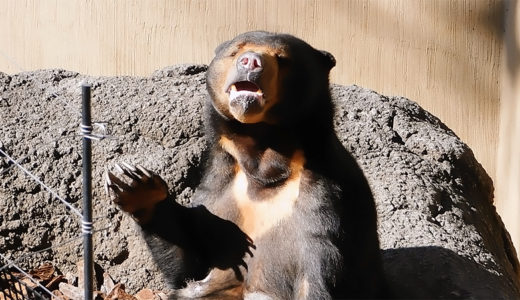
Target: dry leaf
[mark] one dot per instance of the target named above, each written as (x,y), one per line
(60,295)
(71,291)
(108,283)
(118,293)
(99,295)
(43,273)
(53,283)
(28,282)
(145,294)
(12,286)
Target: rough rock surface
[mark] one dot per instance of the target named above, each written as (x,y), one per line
(439,231)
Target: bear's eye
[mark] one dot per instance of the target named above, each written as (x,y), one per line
(283,60)
(233,50)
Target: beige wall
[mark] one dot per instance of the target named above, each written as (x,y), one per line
(444,54)
(508,162)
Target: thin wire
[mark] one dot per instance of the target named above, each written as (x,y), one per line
(28,276)
(69,241)
(100,125)
(74,210)
(11,166)
(86,132)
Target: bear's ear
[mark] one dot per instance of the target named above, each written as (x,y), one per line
(328,59)
(222,47)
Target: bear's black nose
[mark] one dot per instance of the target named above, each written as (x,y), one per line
(250,61)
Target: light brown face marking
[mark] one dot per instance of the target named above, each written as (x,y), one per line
(269,82)
(259,215)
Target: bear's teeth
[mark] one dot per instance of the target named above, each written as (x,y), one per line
(235,94)
(233,88)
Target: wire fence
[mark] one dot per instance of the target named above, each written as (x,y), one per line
(13,287)
(15,283)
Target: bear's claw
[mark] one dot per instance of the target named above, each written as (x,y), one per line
(137,174)
(135,189)
(129,171)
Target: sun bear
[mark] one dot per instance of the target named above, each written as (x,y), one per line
(283,211)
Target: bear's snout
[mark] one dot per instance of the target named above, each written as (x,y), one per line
(250,62)
(250,66)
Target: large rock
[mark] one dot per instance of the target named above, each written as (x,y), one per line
(439,231)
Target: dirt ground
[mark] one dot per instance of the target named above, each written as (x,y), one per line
(439,231)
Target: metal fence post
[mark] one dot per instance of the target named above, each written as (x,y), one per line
(86,128)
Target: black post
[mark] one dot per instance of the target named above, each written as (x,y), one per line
(86,128)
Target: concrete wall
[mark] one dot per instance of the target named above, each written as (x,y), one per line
(444,54)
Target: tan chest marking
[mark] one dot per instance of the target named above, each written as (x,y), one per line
(259,215)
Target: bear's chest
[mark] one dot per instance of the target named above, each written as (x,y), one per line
(261,209)
(265,187)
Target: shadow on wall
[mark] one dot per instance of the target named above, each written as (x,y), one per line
(512,49)
(508,162)
(439,273)
(443,54)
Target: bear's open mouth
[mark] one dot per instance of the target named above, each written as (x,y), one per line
(245,99)
(245,88)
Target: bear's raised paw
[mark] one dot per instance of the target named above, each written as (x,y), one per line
(136,190)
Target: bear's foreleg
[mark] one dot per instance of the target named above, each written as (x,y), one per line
(205,240)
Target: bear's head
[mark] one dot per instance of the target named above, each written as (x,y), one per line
(266,77)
